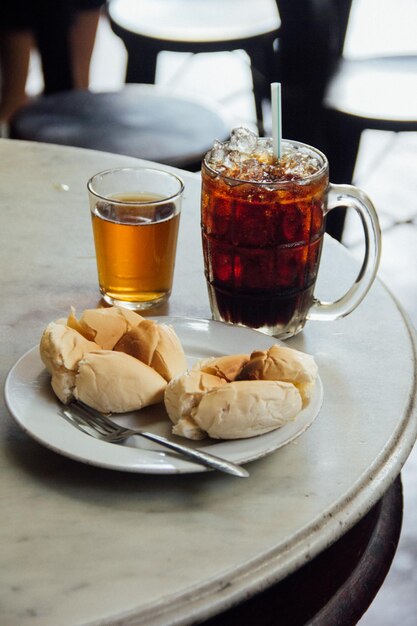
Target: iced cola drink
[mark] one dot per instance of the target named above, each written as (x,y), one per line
(262,227)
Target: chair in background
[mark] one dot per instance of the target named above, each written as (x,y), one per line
(140,120)
(148,27)
(376,92)
(350,95)
(144,121)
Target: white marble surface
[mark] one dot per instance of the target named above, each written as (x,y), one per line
(82,545)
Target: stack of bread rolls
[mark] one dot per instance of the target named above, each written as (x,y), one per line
(116,361)
(242,395)
(112,359)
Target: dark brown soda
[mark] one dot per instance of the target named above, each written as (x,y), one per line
(262,246)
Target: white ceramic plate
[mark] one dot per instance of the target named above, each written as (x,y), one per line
(32,403)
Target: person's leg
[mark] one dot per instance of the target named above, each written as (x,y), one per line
(15,47)
(82,39)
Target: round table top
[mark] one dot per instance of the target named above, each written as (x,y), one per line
(196,20)
(81,544)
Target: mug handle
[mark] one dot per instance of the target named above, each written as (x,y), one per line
(350,196)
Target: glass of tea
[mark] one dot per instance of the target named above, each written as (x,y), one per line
(135,216)
(263,222)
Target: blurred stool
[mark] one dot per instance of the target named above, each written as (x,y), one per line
(377,92)
(148,27)
(142,121)
(352,95)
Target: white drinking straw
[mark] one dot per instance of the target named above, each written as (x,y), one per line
(276,118)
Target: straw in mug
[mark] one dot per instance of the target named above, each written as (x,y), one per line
(276,118)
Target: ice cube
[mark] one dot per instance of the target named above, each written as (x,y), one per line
(251,169)
(298,164)
(217,152)
(233,159)
(243,140)
(263,150)
(236,158)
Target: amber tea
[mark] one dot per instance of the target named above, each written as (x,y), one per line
(135,236)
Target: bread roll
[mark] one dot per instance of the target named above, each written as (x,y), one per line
(184,393)
(247,408)
(104,326)
(115,382)
(125,368)
(200,404)
(283,363)
(239,396)
(188,428)
(61,348)
(226,367)
(157,345)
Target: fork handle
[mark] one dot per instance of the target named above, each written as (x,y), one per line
(204,458)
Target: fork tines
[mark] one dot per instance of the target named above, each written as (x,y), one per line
(88,420)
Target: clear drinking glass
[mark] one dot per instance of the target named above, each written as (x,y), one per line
(135,216)
(262,240)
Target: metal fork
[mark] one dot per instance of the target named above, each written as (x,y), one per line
(100,426)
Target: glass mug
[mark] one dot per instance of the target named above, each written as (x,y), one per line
(135,215)
(262,239)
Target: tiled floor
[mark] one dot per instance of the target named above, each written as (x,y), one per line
(386,170)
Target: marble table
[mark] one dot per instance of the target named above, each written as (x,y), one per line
(85,545)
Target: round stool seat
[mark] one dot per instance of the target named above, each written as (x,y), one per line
(184,22)
(382,91)
(143,121)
